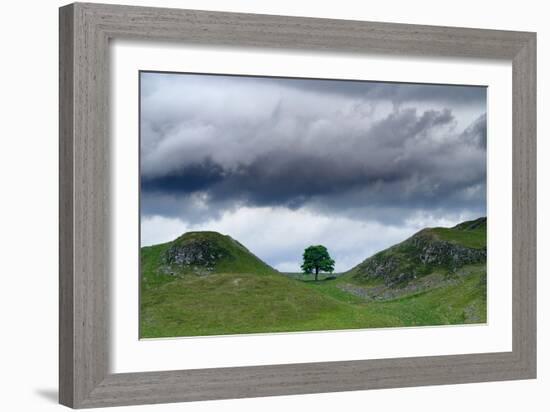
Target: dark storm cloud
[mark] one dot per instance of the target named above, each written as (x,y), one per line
(376,150)
(374,91)
(195,177)
(396,92)
(477,132)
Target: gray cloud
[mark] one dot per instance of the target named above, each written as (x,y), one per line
(476,133)
(398,93)
(362,150)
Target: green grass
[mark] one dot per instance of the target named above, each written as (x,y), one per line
(476,238)
(234,303)
(310,276)
(463,302)
(242,294)
(405,258)
(235,257)
(150,261)
(221,304)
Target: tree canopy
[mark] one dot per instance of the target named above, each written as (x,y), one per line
(317,259)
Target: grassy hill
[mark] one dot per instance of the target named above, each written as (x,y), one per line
(431,250)
(199,253)
(205,283)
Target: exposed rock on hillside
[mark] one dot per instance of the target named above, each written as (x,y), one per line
(442,253)
(424,252)
(194,253)
(202,253)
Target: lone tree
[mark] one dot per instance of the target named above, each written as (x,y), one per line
(316,259)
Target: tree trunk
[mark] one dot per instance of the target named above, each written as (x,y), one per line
(316,273)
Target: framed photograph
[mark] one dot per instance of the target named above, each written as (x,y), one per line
(257,205)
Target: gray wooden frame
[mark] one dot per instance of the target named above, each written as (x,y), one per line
(85,31)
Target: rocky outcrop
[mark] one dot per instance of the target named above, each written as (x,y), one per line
(387,292)
(203,253)
(194,254)
(417,256)
(451,255)
(390,269)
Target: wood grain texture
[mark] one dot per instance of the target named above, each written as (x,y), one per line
(524,225)
(85,31)
(66,228)
(83,340)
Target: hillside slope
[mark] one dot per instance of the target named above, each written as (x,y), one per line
(205,283)
(200,253)
(431,250)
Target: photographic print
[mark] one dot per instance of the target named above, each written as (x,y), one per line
(271,204)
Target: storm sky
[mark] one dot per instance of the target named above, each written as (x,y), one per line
(280,164)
